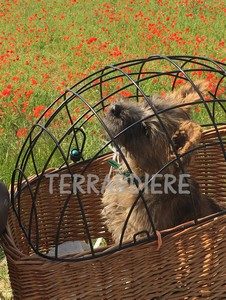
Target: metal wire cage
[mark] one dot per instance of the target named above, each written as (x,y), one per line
(70,138)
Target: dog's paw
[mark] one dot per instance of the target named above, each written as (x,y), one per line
(185,139)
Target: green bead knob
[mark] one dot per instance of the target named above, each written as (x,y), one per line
(75,155)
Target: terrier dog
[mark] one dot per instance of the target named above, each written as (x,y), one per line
(155,139)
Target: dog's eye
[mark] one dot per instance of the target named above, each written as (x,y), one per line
(145,129)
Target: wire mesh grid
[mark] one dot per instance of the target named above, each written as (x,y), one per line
(74,124)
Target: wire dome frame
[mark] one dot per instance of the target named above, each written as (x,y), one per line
(74,123)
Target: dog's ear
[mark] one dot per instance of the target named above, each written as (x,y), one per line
(186,138)
(188,94)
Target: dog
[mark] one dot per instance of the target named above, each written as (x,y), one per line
(157,136)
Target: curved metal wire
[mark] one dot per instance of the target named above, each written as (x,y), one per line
(95,82)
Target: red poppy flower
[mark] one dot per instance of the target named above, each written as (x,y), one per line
(33,81)
(28,93)
(24,106)
(116,52)
(6,92)
(91,40)
(38,110)
(15,78)
(221,43)
(125,93)
(21,132)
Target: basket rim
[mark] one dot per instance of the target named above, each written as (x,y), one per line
(13,253)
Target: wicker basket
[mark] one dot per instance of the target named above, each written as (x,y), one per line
(191,264)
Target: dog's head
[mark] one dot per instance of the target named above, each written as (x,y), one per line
(153,134)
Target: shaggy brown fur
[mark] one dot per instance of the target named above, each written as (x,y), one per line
(147,150)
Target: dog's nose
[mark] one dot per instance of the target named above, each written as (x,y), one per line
(116,110)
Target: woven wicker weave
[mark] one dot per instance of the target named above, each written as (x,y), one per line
(191,264)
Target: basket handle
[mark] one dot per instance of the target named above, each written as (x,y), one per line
(4,206)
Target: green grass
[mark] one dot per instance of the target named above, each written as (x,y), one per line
(47,46)
(5,290)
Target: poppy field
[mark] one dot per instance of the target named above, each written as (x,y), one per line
(47,46)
